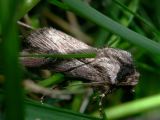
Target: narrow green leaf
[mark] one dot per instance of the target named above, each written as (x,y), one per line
(26,6)
(63,56)
(9,55)
(105,22)
(134,107)
(150,25)
(59,4)
(37,111)
(55,79)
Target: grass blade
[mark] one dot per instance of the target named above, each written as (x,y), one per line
(36,110)
(62,56)
(9,55)
(108,24)
(27,6)
(132,108)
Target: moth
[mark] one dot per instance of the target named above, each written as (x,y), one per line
(111,67)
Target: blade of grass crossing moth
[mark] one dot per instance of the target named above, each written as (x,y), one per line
(63,56)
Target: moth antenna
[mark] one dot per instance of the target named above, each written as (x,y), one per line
(25,25)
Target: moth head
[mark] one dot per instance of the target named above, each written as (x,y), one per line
(126,74)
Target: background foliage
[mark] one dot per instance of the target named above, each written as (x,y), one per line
(129,25)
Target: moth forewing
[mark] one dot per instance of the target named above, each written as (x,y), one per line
(49,39)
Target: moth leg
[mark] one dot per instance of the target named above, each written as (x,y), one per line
(42,99)
(25,25)
(108,90)
(101,108)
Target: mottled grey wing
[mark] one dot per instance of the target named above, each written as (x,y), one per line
(49,41)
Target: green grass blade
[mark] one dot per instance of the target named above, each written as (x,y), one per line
(63,56)
(9,55)
(126,21)
(39,111)
(59,4)
(151,26)
(55,79)
(134,107)
(27,6)
(105,22)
